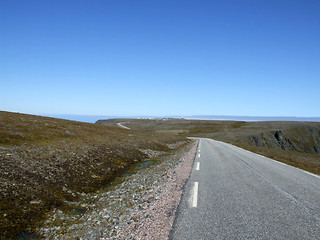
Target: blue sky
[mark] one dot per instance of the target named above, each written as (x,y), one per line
(241,57)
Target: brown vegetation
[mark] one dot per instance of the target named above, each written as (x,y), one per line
(46,162)
(294,143)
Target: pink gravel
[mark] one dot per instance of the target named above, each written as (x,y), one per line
(156,220)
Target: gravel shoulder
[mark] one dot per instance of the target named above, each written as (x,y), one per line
(140,205)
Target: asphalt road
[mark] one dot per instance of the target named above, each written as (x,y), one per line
(237,194)
(122,126)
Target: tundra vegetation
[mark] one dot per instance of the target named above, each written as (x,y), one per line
(294,143)
(48,163)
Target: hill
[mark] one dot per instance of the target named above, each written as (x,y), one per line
(294,143)
(47,163)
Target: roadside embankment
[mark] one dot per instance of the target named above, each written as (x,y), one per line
(48,163)
(140,205)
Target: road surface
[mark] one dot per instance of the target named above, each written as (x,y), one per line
(122,126)
(236,194)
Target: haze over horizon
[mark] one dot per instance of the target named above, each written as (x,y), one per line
(94,118)
(161,58)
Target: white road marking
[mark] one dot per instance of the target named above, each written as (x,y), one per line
(281,163)
(198,166)
(195,195)
(284,164)
(199,155)
(315,175)
(312,174)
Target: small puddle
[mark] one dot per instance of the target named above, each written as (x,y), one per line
(78,211)
(26,236)
(134,168)
(139,166)
(144,164)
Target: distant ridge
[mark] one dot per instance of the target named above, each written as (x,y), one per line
(94,118)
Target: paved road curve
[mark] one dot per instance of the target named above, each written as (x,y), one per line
(236,194)
(122,126)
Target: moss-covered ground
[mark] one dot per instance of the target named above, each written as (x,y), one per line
(46,163)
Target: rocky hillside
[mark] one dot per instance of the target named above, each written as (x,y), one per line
(48,162)
(299,137)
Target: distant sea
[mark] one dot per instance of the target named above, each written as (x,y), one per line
(254,118)
(94,118)
(82,118)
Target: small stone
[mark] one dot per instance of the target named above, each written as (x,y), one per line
(35,202)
